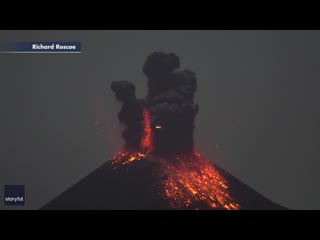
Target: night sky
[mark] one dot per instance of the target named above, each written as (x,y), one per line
(257,91)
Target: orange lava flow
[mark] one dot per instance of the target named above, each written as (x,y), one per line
(189,181)
(146,141)
(123,158)
(196,181)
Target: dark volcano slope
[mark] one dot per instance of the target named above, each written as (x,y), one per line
(136,187)
(246,197)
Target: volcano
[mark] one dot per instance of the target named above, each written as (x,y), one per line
(158,167)
(137,185)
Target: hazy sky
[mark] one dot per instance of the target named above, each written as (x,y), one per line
(258,97)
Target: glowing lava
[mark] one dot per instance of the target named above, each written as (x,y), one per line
(193,181)
(188,180)
(123,158)
(146,141)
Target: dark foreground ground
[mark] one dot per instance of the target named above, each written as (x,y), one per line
(135,187)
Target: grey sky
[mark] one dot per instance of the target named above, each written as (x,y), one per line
(258,97)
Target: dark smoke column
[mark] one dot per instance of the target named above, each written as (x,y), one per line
(170,100)
(161,125)
(170,104)
(130,114)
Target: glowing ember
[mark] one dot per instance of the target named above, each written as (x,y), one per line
(146,141)
(157,126)
(193,181)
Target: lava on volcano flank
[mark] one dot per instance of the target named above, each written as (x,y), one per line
(158,167)
(165,132)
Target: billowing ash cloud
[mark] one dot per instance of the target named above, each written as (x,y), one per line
(130,114)
(169,100)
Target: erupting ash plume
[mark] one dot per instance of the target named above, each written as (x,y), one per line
(161,126)
(130,114)
(169,105)
(158,167)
